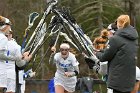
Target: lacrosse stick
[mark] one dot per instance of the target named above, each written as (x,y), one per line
(32,17)
(41,22)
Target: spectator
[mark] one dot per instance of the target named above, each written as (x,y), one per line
(121,56)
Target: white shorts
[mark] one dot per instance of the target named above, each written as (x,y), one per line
(23,87)
(3,79)
(11,85)
(69,83)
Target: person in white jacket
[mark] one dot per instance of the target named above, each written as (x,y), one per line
(6,55)
(13,49)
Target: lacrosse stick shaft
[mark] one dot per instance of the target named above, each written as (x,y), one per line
(52,54)
(31,20)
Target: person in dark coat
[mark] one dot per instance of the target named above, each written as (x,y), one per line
(121,54)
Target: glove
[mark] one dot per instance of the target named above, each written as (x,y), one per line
(29,74)
(32,74)
(105,77)
(90,63)
(26,74)
(96,69)
(95,59)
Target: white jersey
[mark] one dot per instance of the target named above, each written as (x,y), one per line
(21,79)
(3,75)
(3,41)
(103,68)
(66,65)
(13,49)
(4,52)
(3,46)
(137,73)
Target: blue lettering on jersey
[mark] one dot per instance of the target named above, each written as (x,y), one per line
(65,65)
(8,53)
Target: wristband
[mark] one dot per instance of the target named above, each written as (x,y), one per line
(76,73)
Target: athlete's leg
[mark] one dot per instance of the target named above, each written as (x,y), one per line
(59,89)
(136,87)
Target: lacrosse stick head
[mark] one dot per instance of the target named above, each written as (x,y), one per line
(32,18)
(51,1)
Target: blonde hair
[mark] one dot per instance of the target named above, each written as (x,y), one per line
(123,21)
